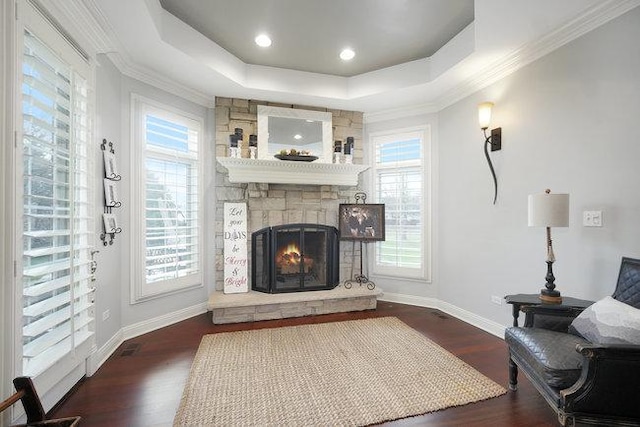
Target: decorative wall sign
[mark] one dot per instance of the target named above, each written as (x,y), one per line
(236,257)
(111,223)
(111,194)
(110,166)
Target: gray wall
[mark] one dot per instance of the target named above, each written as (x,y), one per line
(420,288)
(569,123)
(113,282)
(159,306)
(108,126)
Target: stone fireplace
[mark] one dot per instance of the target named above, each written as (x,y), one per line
(295,258)
(271,205)
(276,203)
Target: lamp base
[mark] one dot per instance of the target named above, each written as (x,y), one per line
(550,296)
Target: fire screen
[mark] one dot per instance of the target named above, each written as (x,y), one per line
(294,258)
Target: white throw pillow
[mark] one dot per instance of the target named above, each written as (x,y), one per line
(608,321)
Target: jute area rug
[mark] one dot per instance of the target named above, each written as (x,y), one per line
(349,373)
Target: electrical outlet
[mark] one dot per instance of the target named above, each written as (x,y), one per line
(106,314)
(496,300)
(592,218)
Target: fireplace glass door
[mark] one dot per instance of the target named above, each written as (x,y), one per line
(294,258)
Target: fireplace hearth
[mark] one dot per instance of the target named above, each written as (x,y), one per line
(295,258)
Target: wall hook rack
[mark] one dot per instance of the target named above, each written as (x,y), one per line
(111,200)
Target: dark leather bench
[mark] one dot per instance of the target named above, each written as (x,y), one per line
(583,381)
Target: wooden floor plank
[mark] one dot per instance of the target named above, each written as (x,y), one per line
(142,382)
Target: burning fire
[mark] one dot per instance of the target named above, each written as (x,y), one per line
(288,260)
(290,254)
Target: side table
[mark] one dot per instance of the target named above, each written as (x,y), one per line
(524,302)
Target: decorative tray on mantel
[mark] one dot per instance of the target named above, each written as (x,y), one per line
(296,158)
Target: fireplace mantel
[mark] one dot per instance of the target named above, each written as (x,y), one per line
(288,172)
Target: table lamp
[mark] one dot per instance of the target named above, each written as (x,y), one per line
(549,210)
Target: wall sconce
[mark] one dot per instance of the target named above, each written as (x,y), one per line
(549,210)
(493,140)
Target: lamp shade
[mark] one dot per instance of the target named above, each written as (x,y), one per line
(549,210)
(484,114)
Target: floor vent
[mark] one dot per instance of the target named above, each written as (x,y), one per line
(439,315)
(130,349)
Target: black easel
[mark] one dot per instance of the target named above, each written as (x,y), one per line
(361,279)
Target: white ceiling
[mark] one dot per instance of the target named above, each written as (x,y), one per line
(309,34)
(147,42)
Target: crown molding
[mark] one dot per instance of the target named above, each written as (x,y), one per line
(591,19)
(398,113)
(151,77)
(90,23)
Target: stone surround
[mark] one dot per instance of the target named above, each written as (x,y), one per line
(277,204)
(257,306)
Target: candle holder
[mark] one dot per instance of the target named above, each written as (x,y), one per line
(253,146)
(239,137)
(234,152)
(337,151)
(348,147)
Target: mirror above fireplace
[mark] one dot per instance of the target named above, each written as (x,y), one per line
(290,128)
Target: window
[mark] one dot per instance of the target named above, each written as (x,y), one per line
(400,183)
(167,199)
(56,218)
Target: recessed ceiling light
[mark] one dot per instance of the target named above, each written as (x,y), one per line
(347,54)
(263,40)
(297,136)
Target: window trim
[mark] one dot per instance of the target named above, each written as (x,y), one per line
(425,272)
(142,291)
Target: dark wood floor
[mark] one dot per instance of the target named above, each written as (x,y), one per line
(141,383)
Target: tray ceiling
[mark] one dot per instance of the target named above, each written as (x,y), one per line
(145,41)
(308,35)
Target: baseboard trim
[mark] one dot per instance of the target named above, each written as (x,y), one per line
(97,358)
(466,316)
(101,355)
(151,325)
(473,319)
(409,299)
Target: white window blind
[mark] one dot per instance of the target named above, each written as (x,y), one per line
(171,250)
(56,217)
(399,184)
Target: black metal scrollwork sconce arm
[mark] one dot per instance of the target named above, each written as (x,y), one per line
(487,144)
(493,140)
